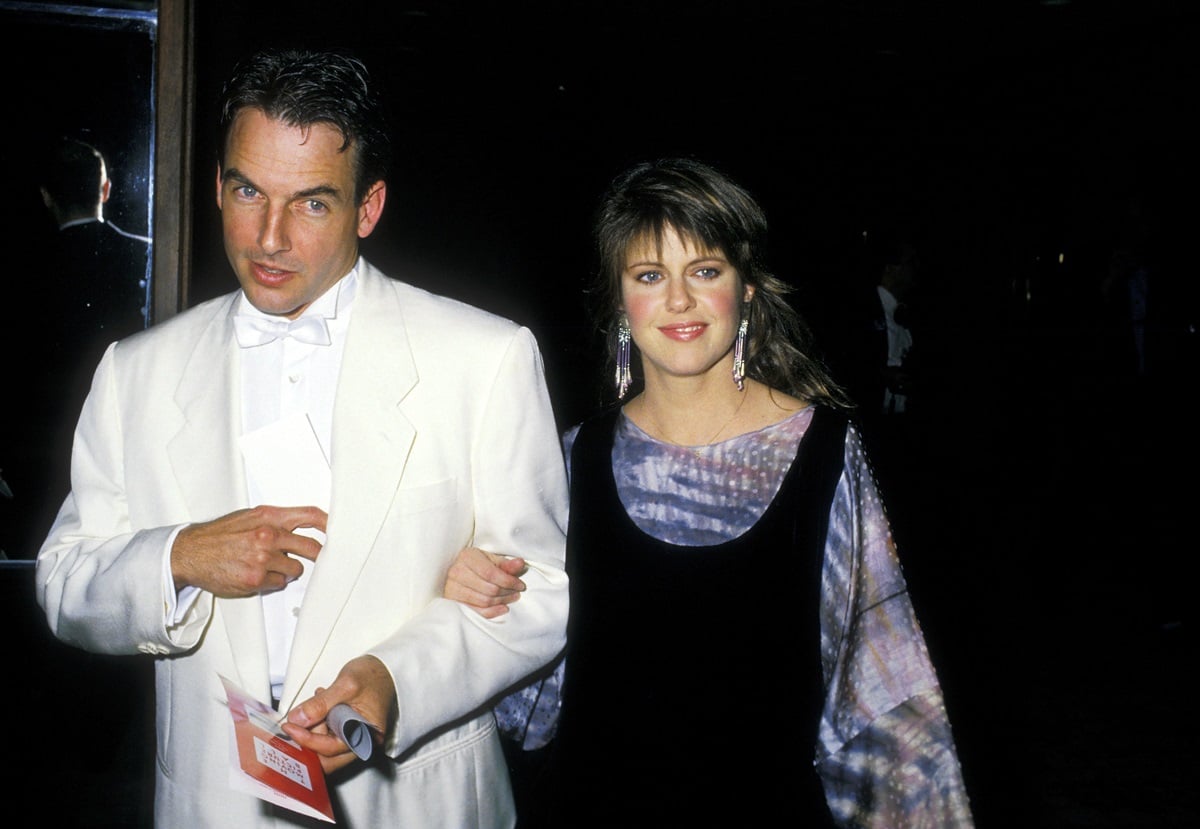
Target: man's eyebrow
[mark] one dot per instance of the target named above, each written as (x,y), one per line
(319,190)
(234,174)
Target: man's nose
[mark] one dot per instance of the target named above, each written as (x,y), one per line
(274,236)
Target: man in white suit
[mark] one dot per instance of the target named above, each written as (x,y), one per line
(280,506)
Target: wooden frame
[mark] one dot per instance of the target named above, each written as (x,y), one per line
(174,143)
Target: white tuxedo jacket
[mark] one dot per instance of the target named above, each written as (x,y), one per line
(443,436)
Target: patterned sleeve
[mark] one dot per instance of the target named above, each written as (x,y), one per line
(886,754)
(530,715)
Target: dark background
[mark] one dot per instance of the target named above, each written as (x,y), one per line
(1041,513)
(85,77)
(997,134)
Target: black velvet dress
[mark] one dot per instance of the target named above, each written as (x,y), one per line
(693,686)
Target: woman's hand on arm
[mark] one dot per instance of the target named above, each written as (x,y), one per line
(486,582)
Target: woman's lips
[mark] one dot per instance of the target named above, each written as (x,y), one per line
(684,332)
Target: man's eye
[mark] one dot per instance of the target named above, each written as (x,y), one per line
(246,191)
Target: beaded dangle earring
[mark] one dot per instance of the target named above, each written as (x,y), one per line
(739,352)
(624,338)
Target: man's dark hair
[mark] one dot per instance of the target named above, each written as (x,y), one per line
(72,174)
(302,88)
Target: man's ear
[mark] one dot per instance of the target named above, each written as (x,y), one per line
(371,209)
(218,186)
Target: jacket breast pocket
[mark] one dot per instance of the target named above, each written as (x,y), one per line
(425,497)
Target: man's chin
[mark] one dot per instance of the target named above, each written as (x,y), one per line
(271,302)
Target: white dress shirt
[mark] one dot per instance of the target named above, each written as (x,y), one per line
(282,380)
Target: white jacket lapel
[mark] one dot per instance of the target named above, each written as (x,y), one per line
(208,400)
(371,442)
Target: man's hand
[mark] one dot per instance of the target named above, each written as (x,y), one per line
(364,684)
(247,552)
(485,582)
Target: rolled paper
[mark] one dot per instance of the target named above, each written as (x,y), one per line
(355,732)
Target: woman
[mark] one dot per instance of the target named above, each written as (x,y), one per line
(741,643)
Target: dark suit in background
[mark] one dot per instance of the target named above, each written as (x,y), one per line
(93,291)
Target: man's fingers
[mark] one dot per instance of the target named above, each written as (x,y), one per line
(293,518)
(311,712)
(302,545)
(334,753)
(274,582)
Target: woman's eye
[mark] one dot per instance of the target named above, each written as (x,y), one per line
(649,276)
(708,273)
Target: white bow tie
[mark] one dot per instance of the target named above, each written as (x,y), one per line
(254,330)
